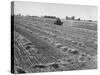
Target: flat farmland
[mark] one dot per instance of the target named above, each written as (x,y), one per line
(42,46)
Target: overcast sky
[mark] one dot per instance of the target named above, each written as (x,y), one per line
(59,10)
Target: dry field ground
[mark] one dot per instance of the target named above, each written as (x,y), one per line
(42,46)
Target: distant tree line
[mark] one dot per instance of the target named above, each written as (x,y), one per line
(52,17)
(77,19)
(72,18)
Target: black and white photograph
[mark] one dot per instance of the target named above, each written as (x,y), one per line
(52,37)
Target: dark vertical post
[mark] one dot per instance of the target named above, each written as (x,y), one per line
(12,37)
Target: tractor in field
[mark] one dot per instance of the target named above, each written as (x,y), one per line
(58,22)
